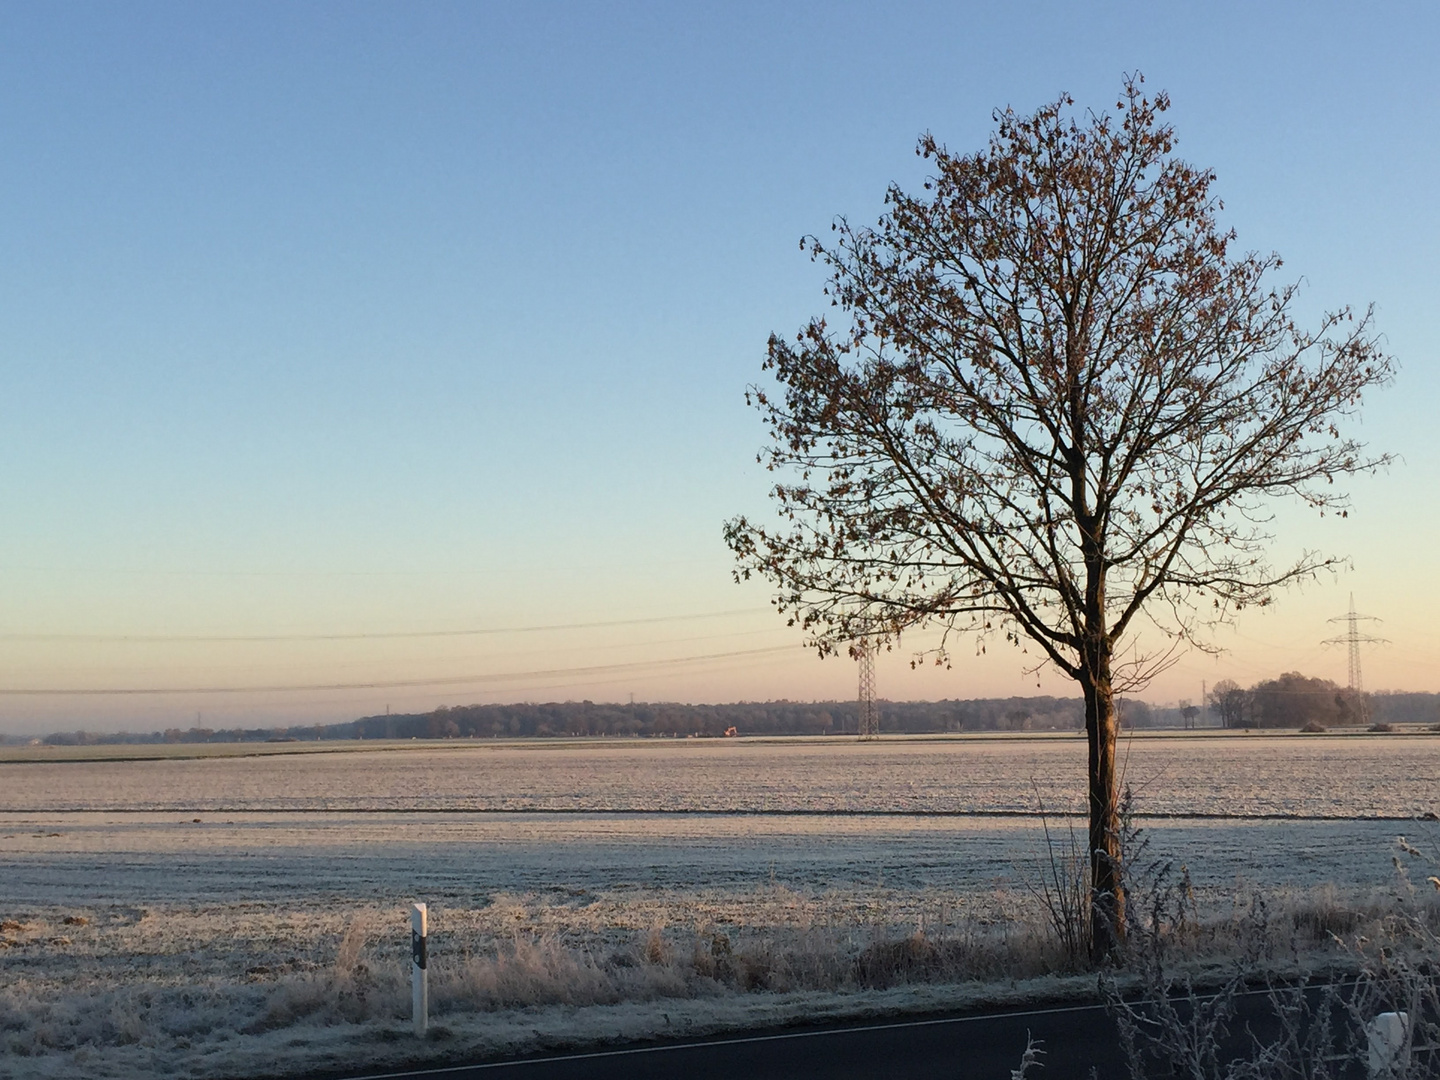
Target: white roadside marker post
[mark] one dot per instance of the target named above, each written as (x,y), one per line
(1389,1052)
(419,962)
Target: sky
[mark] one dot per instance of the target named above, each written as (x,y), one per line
(322,324)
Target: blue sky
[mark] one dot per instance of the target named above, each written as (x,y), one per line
(350,318)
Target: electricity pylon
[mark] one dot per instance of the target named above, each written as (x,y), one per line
(869,726)
(1354,639)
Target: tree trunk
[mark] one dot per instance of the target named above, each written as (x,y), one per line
(1107,887)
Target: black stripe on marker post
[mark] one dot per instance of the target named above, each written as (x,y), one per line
(419,963)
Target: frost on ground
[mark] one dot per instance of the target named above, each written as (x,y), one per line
(1279,774)
(235,990)
(257,942)
(265,944)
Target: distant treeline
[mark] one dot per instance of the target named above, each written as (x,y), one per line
(1291,701)
(572,718)
(759,718)
(1294,700)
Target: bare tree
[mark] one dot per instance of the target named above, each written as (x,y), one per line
(1230,701)
(1055,403)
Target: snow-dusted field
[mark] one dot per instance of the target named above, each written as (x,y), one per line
(138,939)
(1282,774)
(657,866)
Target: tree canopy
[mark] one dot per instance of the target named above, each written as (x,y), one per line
(1052,401)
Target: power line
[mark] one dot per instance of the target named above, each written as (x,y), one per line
(435,658)
(546,687)
(461,680)
(386,635)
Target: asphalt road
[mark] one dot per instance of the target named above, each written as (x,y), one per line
(1075,1040)
(951,1048)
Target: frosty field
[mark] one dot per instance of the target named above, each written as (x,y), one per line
(1281,774)
(590,877)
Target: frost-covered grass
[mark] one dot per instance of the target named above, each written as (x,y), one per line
(140,942)
(229,991)
(221,990)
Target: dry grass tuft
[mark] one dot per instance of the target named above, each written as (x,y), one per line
(354,989)
(1319,1028)
(885,963)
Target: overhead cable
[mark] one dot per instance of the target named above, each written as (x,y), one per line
(461,680)
(386,635)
